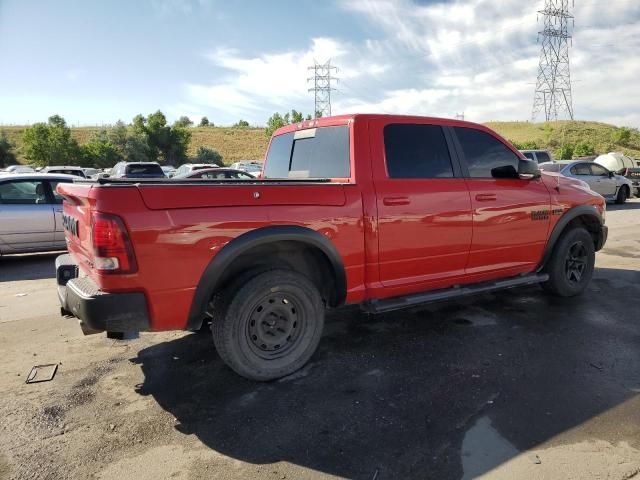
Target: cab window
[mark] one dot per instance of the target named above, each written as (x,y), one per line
(484,152)
(416,151)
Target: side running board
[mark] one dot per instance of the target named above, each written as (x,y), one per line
(397,303)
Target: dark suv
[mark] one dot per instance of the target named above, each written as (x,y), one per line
(137,170)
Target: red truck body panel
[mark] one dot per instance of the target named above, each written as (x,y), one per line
(394,237)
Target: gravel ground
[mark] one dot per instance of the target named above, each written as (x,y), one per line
(515,384)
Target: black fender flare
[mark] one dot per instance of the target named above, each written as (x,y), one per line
(254,238)
(567,217)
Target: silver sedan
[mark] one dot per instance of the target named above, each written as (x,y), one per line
(608,184)
(31,213)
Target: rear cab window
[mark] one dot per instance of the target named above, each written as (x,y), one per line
(321,152)
(416,151)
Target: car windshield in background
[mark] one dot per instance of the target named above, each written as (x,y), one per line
(145,171)
(551,167)
(312,153)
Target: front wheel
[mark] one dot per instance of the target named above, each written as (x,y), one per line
(269,326)
(623,194)
(571,265)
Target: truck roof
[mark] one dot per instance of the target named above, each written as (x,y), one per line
(346,119)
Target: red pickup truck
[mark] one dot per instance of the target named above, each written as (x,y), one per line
(384,211)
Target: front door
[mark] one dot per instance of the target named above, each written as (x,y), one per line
(510,215)
(604,184)
(424,211)
(26,216)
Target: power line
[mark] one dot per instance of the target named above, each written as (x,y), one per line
(553,85)
(322,78)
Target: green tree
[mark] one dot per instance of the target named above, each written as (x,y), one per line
(100,151)
(583,149)
(204,122)
(275,122)
(131,144)
(183,121)
(565,152)
(296,117)
(241,124)
(7,157)
(51,144)
(208,155)
(165,143)
(621,136)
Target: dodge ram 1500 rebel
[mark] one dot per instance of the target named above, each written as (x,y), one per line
(384,211)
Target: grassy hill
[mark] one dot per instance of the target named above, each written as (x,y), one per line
(250,143)
(234,144)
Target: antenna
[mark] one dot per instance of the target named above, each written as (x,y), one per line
(553,86)
(322,78)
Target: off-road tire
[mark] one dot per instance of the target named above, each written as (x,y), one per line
(571,265)
(269,326)
(623,194)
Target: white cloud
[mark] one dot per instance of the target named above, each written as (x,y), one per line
(476,56)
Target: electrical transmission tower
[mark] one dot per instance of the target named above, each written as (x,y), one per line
(322,78)
(553,86)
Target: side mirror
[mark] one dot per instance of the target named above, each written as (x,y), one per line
(611,174)
(528,170)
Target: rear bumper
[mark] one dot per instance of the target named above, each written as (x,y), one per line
(97,310)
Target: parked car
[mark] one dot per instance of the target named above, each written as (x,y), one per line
(605,182)
(19,169)
(31,212)
(137,170)
(217,173)
(385,211)
(75,171)
(254,168)
(190,167)
(539,156)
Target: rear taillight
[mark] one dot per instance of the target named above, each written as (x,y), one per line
(112,249)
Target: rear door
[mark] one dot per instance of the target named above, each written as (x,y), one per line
(26,216)
(424,210)
(510,215)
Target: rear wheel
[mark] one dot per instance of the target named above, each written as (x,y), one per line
(269,326)
(623,194)
(571,265)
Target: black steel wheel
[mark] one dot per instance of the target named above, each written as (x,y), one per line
(269,325)
(571,265)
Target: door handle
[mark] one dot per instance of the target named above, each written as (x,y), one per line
(486,197)
(391,201)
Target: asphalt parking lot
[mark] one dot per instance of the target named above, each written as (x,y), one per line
(510,385)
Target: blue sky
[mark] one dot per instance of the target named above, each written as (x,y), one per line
(96,62)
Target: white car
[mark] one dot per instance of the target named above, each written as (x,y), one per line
(19,169)
(600,180)
(76,171)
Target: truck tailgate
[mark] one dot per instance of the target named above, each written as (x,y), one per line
(76,218)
